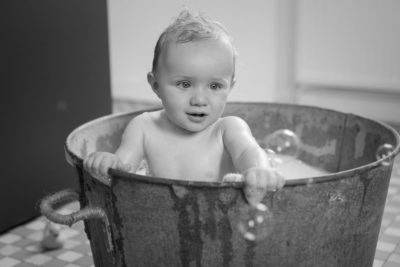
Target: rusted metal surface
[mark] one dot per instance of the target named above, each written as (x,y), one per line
(334,221)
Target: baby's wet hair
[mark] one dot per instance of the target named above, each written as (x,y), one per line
(190,27)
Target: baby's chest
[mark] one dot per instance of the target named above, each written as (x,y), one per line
(182,158)
(204,152)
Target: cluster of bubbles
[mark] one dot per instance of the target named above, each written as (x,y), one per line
(256,221)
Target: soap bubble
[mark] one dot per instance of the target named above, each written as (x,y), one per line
(284,143)
(255,222)
(383,152)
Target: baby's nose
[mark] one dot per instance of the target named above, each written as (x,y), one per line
(198,98)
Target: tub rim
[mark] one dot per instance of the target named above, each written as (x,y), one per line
(74,159)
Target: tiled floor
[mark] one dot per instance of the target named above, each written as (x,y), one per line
(21,247)
(388,249)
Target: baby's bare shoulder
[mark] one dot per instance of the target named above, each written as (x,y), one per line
(232,123)
(143,118)
(141,122)
(233,128)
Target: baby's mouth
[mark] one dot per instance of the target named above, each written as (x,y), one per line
(197,114)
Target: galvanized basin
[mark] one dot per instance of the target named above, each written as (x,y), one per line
(148,221)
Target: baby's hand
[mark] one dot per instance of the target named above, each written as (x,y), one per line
(232,177)
(98,163)
(260,180)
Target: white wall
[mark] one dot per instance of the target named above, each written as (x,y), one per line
(134,27)
(349,43)
(348,56)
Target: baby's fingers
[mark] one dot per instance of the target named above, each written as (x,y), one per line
(119,165)
(255,188)
(232,177)
(101,165)
(254,195)
(275,181)
(280,180)
(89,164)
(262,178)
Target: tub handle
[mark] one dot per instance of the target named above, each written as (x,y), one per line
(67,196)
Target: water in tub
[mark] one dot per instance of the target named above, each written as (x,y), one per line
(283,148)
(290,167)
(293,168)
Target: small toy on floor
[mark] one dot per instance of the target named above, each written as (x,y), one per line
(51,237)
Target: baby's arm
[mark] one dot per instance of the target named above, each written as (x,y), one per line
(250,160)
(126,158)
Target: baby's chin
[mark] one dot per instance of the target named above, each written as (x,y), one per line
(196,127)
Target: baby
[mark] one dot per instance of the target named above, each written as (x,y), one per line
(193,73)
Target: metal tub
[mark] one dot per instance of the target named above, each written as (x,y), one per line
(150,221)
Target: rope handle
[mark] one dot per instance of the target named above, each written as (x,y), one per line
(48,203)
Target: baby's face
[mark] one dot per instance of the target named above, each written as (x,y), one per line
(194,80)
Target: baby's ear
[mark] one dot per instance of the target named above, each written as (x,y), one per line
(151,79)
(233,81)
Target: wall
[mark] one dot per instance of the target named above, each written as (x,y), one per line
(54,74)
(348,56)
(134,28)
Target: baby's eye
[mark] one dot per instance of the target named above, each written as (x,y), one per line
(183,84)
(216,86)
